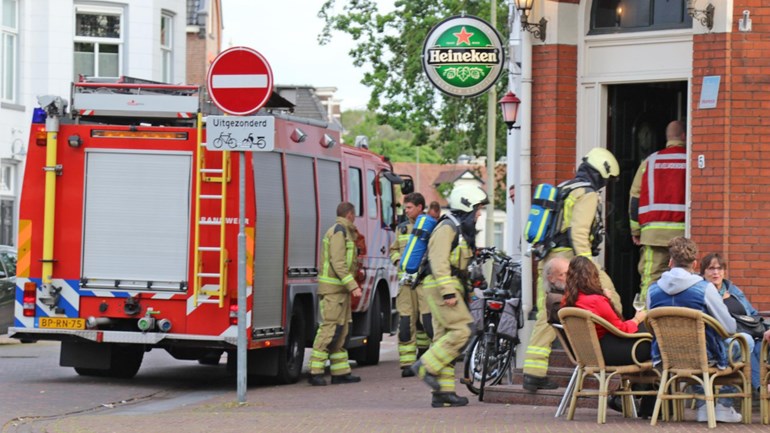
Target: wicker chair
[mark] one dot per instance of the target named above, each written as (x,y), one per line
(764,380)
(580,328)
(565,400)
(681,336)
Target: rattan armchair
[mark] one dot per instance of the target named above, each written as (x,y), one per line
(681,336)
(764,380)
(580,329)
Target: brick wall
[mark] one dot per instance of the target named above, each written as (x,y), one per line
(731,195)
(197,67)
(554,112)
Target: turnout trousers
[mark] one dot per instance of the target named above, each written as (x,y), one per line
(331,335)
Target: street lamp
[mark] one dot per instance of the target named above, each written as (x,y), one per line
(510,107)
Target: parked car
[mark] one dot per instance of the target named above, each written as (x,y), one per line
(7,286)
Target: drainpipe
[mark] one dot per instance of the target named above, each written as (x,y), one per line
(519,151)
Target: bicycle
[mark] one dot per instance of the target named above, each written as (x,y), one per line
(225,138)
(497,317)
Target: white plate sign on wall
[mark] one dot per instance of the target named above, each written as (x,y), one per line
(709,92)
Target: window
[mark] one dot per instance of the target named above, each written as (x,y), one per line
(9,51)
(8,259)
(354,189)
(616,16)
(6,179)
(98,42)
(6,222)
(371,198)
(166,47)
(386,195)
(498,241)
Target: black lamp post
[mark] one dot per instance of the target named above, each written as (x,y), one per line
(510,106)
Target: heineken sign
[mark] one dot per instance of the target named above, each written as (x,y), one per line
(463,56)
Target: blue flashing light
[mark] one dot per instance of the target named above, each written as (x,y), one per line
(38,115)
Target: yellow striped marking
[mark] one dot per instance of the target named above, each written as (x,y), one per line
(25,248)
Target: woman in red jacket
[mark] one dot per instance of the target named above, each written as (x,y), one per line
(585,291)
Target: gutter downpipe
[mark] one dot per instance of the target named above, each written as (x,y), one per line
(519,150)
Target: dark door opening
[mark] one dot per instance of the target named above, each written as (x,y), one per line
(636,127)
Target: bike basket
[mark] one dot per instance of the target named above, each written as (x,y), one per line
(509,320)
(477,312)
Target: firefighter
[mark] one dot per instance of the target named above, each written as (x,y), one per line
(450,249)
(413,310)
(579,233)
(336,283)
(657,204)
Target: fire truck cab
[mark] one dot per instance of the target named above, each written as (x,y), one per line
(128,228)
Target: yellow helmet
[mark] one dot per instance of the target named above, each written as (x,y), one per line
(603,161)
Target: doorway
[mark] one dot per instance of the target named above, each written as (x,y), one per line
(636,127)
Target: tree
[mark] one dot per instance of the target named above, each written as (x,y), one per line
(383,139)
(390,44)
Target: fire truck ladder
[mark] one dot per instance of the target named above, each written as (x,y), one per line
(215,293)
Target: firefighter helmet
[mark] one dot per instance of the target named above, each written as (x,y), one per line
(602,161)
(465,198)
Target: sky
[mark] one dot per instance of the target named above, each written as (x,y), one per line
(286,33)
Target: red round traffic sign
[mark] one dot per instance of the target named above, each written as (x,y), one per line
(240,81)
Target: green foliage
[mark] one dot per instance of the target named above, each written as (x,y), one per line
(389,45)
(383,139)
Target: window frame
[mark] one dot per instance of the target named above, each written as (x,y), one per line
(371,193)
(387,199)
(593,30)
(9,92)
(98,41)
(167,48)
(355,176)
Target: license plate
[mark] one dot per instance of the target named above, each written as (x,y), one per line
(62,323)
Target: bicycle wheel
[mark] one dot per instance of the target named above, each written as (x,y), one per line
(497,364)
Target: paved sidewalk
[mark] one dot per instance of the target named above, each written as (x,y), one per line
(382,402)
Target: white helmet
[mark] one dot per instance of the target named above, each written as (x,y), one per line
(602,161)
(465,198)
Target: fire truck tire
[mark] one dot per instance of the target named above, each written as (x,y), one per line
(370,353)
(293,354)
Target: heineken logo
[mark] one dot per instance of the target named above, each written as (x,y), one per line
(463,56)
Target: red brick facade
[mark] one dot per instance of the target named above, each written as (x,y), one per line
(554,112)
(730,200)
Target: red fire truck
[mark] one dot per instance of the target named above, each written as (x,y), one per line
(128,234)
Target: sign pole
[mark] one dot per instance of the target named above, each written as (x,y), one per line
(241,278)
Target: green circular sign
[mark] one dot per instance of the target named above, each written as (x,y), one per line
(463,56)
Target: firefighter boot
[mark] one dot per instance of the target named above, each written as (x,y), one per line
(407,372)
(317,380)
(345,378)
(448,399)
(430,379)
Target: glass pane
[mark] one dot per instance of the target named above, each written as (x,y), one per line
(386,196)
(9,13)
(9,260)
(98,26)
(166,66)
(669,12)
(84,59)
(6,222)
(165,31)
(371,199)
(622,13)
(354,189)
(108,60)
(9,67)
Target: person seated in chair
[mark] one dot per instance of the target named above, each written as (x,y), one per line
(713,268)
(682,287)
(585,291)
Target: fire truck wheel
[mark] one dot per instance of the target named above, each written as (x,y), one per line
(293,354)
(370,353)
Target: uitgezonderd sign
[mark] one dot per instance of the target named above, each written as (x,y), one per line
(463,56)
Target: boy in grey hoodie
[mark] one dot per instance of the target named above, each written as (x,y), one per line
(682,287)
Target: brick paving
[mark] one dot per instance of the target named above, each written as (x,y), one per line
(382,402)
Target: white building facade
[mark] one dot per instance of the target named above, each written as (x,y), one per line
(47,44)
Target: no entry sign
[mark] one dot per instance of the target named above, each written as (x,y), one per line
(240,81)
